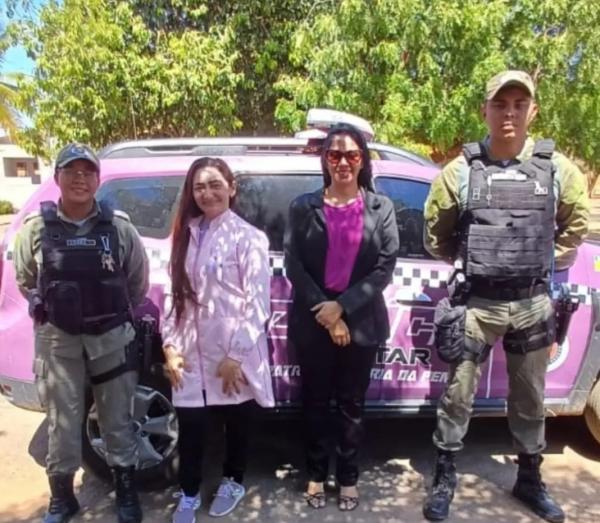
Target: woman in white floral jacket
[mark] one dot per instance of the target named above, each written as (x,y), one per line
(214,330)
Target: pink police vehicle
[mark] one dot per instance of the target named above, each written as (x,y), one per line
(144,179)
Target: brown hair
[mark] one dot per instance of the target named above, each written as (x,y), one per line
(181,288)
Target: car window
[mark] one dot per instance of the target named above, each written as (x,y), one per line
(394,157)
(409,199)
(263,200)
(150,202)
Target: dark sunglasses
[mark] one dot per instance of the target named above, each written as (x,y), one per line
(334,156)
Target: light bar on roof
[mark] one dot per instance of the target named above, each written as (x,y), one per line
(323,119)
(310,134)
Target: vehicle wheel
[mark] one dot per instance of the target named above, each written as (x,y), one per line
(156,428)
(592,412)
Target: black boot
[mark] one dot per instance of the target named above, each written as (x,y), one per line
(128,504)
(63,503)
(437,504)
(531,490)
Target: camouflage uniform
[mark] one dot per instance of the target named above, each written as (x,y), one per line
(488,320)
(62,360)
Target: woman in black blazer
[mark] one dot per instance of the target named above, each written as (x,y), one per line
(340,251)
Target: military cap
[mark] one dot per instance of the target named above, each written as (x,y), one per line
(76,151)
(506,79)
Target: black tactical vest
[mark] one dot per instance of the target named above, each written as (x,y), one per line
(83,285)
(507,229)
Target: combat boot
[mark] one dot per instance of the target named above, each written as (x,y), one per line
(63,503)
(531,490)
(437,504)
(128,504)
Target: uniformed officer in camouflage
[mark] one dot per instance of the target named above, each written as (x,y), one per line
(512,210)
(83,268)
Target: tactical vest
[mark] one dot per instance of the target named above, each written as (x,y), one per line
(83,285)
(507,228)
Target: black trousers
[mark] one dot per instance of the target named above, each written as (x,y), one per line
(330,371)
(193,423)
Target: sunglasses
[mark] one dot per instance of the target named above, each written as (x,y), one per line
(334,156)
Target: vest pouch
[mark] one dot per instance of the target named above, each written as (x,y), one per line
(449,330)
(508,252)
(64,306)
(110,297)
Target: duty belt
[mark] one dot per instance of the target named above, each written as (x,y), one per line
(501,292)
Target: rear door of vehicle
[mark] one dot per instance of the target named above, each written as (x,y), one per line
(263,199)
(411,374)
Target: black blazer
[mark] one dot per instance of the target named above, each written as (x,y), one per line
(305,249)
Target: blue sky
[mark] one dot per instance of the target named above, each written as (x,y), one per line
(16,61)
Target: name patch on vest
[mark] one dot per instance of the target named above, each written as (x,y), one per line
(81,242)
(510,175)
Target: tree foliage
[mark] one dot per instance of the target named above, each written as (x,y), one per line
(9,120)
(102,76)
(417,68)
(109,70)
(261,36)
(116,69)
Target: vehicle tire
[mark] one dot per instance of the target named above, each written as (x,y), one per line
(156,429)
(592,412)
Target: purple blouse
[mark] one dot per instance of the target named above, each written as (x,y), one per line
(344,233)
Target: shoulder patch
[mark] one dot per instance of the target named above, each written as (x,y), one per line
(123,215)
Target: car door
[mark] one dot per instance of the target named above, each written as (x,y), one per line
(263,199)
(412,376)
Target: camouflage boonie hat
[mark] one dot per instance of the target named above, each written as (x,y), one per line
(506,79)
(76,151)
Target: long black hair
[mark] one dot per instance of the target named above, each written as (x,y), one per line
(365,175)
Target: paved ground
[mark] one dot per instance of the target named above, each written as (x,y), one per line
(396,465)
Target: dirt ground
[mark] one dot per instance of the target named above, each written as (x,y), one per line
(396,465)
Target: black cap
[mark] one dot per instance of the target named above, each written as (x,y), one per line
(76,151)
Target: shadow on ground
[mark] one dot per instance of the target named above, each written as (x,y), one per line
(396,464)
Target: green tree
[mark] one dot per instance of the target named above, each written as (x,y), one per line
(8,116)
(116,69)
(9,120)
(101,75)
(416,68)
(261,37)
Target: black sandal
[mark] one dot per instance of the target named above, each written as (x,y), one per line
(316,500)
(347,503)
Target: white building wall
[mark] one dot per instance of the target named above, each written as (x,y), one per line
(17,190)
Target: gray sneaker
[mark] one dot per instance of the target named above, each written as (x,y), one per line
(186,509)
(227,497)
